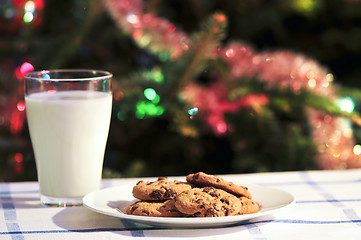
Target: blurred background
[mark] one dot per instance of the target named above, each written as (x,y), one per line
(153,133)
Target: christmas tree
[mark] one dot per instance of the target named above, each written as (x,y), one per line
(221,87)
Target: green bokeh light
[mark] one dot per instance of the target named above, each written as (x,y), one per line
(158,76)
(28,17)
(122,115)
(144,109)
(155,75)
(150,93)
(156,99)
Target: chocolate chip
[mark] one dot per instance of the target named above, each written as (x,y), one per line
(229,211)
(213,193)
(170,193)
(216,207)
(195,176)
(145,212)
(211,213)
(207,189)
(133,209)
(197,214)
(225,200)
(156,194)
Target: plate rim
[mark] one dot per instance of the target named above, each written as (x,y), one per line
(182,221)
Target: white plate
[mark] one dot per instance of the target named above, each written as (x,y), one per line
(106,201)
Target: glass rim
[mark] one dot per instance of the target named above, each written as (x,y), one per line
(36,75)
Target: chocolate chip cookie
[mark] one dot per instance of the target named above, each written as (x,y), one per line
(208,202)
(154,209)
(161,189)
(202,179)
(248,206)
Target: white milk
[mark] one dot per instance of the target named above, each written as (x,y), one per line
(69,131)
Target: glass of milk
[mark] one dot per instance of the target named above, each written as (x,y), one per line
(68,113)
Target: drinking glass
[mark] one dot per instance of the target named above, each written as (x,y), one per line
(68,113)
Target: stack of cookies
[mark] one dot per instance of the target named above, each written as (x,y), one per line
(203,195)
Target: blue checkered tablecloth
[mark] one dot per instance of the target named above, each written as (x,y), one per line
(328,206)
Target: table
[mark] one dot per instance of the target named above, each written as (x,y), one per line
(328,206)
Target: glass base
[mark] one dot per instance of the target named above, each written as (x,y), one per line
(60,202)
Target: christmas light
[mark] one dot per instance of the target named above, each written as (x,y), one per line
(29,6)
(230,52)
(156,99)
(346,104)
(144,40)
(150,93)
(45,76)
(221,127)
(144,109)
(155,75)
(158,75)
(193,111)
(325,84)
(311,83)
(131,18)
(18,157)
(171,28)
(347,132)
(20,106)
(18,167)
(16,122)
(137,35)
(118,95)
(185,47)
(329,77)
(24,69)
(121,115)
(28,17)
(357,149)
